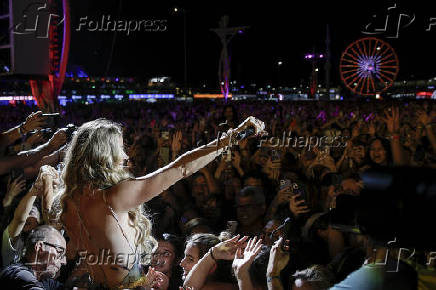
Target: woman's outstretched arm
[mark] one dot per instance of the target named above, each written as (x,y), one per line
(131,193)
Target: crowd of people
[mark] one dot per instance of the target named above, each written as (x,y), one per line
(260,216)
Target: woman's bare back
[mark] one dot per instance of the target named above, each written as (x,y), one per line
(97,239)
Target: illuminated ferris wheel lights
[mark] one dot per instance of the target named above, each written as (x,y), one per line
(368,66)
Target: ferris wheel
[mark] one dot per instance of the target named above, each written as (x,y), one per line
(369,66)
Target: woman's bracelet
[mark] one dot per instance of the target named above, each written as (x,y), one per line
(211,254)
(229,134)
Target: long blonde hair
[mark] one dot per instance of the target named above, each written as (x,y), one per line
(93,159)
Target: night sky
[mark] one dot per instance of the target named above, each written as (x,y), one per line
(279,31)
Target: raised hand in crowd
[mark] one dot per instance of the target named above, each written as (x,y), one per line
(162,282)
(176,143)
(356,129)
(298,206)
(392,119)
(345,155)
(372,128)
(322,158)
(33,121)
(222,164)
(284,195)
(155,280)
(226,250)
(278,259)
(14,188)
(210,181)
(222,251)
(38,189)
(236,162)
(35,138)
(243,259)
(58,139)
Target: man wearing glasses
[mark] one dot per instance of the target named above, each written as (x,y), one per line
(42,258)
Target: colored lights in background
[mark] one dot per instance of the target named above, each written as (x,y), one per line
(16,98)
(11,100)
(313,56)
(424,95)
(151,96)
(210,96)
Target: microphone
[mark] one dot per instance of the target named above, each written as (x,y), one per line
(245,133)
(284,224)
